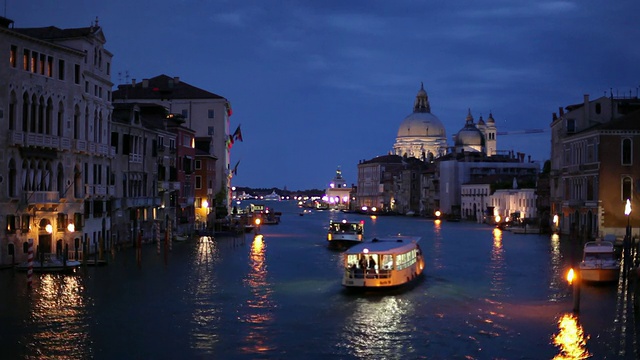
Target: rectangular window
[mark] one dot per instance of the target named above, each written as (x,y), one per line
(25,223)
(185,113)
(43,58)
(198,182)
(50,66)
(62,222)
(108,68)
(60,69)
(571,126)
(210,130)
(626,151)
(86,86)
(210,113)
(197,164)
(13,57)
(25,59)
(76,74)
(12,224)
(34,62)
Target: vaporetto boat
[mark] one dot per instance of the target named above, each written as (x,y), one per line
(383,263)
(344,233)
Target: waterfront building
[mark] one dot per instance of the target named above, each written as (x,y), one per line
(205,177)
(203,111)
(408,187)
(595,155)
(55,105)
(138,167)
(338,194)
(375,182)
(421,134)
(459,168)
(184,174)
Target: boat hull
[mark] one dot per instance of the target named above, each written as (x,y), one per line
(70,266)
(600,274)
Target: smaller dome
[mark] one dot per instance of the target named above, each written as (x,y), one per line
(469,135)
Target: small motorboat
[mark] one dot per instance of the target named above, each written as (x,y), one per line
(599,263)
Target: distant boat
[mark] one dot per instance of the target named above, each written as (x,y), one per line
(51,264)
(525,229)
(273,196)
(344,233)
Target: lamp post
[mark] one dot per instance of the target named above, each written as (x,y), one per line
(205,206)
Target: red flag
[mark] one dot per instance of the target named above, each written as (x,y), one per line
(237,135)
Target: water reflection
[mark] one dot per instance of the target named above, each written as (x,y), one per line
(556,282)
(202,287)
(258,314)
(59,319)
(379,328)
(570,339)
(437,245)
(497,265)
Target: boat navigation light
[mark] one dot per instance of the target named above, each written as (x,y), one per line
(344,221)
(366,251)
(258,221)
(361,222)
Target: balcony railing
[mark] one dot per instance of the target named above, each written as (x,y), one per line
(19,138)
(42,197)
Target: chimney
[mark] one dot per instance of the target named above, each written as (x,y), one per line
(561,109)
(133,82)
(555,117)
(176,80)
(145,83)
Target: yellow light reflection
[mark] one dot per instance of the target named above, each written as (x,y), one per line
(571,339)
(256,339)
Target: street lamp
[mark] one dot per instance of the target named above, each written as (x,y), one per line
(627,238)
(205,206)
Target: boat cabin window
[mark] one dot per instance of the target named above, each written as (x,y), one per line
(340,227)
(405,260)
(387,262)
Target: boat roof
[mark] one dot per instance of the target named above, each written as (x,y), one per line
(598,246)
(391,245)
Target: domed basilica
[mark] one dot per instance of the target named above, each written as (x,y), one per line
(422,135)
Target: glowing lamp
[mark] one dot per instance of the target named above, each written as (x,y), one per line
(438,213)
(258,221)
(71,227)
(48,228)
(571,276)
(205,204)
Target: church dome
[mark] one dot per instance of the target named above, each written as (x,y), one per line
(421,123)
(469,135)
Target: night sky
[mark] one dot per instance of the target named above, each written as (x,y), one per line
(317,85)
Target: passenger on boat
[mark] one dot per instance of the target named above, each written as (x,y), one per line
(372,263)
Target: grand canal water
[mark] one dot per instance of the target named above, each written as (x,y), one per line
(486,294)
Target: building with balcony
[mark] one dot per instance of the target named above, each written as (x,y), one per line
(206,113)
(55,107)
(205,177)
(595,156)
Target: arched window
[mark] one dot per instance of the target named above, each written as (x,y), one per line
(60,181)
(626,188)
(12,181)
(12,111)
(25,112)
(627,148)
(60,119)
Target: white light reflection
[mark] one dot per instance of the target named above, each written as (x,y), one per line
(556,281)
(571,340)
(259,307)
(436,262)
(202,287)
(379,329)
(59,313)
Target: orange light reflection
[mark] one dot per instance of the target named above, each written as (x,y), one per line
(571,339)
